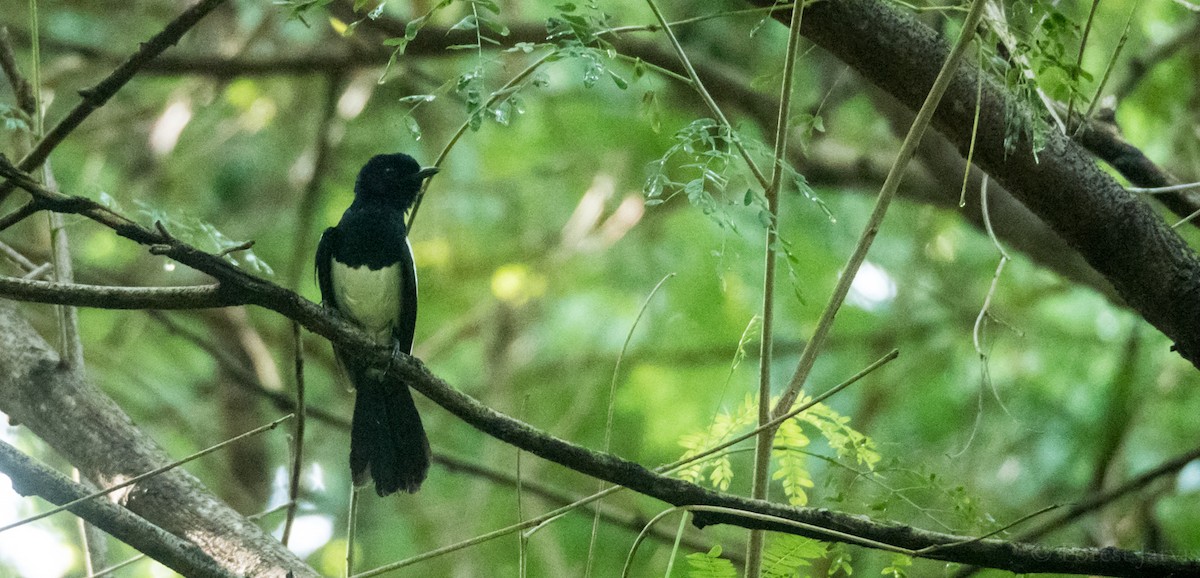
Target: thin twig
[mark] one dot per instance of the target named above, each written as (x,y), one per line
(962,194)
(1186,219)
(1162,190)
(760,483)
(499,95)
(997,531)
(1112,63)
(1140,66)
(43,270)
(522,541)
(1087,30)
(351,523)
(298,444)
(91,541)
(64,273)
(871,229)
(824,532)
(698,85)
(612,404)
(16,257)
(20,87)
(70,343)
(20,214)
(977,330)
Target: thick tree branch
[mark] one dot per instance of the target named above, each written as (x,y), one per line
(30,478)
(104,297)
(61,407)
(412,372)
(1104,140)
(1148,264)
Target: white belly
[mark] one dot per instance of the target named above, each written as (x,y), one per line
(371,299)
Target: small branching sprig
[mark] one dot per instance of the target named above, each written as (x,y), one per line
(785,554)
(578,31)
(790,454)
(1034,61)
(199,233)
(1048,51)
(854,452)
(718,470)
(704,146)
(482,18)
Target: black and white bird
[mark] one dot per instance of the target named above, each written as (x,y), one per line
(365,271)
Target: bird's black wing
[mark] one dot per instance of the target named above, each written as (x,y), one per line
(324,261)
(406,325)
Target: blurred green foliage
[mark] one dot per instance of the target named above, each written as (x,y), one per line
(553,218)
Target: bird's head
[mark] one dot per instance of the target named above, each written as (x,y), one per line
(394,178)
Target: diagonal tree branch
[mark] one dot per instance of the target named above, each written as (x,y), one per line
(79,421)
(30,478)
(1151,267)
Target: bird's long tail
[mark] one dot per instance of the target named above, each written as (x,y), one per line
(387,440)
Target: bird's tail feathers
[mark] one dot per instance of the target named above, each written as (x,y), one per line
(387,440)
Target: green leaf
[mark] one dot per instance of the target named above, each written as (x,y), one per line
(710,565)
(490,5)
(785,554)
(649,110)
(414,129)
(470,22)
(898,567)
(413,27)
(417,98)
(617,80)
(495,26)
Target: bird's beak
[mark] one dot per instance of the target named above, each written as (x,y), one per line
(427,172)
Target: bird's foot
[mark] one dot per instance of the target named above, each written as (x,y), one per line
(392,360)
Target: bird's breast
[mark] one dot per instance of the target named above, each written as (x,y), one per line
(369,297)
